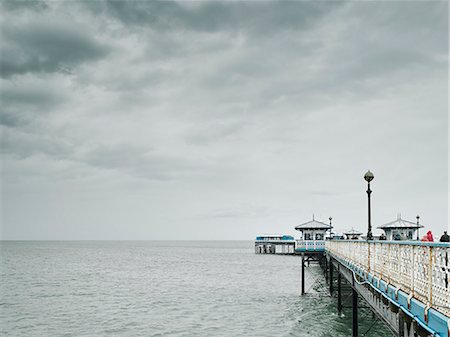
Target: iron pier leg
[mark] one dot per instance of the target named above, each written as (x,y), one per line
(401,323)
(326,267)
(339,299)
(354,313)
(303,274)
(331,277)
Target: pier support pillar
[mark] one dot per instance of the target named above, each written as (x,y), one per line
(401,323)
(339,297)
(326,267)
(354,313)
(331,278)
(303,274)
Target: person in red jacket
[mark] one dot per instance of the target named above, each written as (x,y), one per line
(430,236)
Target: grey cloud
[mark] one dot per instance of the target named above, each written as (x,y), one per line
(208,132)
(343,63)
(204,107)
(137,161)
(140,162)
(347,61)
(25,102)
(384,45)
(42,46)
(109,156)
(42,95)
(213,16)
(23,145)
(14,5)
(11,119)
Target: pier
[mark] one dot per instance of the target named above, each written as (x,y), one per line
(405,283)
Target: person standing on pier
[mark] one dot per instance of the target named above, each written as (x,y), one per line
(445,237)
(428,237)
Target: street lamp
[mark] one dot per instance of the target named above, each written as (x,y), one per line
(418,218)
(369,177)
(331,227)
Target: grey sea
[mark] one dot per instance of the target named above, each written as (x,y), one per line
(164,288)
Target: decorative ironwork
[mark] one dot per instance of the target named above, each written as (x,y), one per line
(310,245)
(417,268)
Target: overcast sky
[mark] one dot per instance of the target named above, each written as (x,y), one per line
(210,120)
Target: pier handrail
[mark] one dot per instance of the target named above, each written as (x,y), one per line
(421,269)
(310,245)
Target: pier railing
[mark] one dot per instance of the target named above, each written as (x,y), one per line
(418,268)
(310,245)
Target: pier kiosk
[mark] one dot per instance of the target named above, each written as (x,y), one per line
(312,244)
(312,236)
(274,244)
(353,234)
(401,229)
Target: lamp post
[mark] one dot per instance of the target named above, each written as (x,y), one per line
(369,177)
(418,217)
(331,227)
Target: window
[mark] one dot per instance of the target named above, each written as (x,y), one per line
(319,236)
(307,236)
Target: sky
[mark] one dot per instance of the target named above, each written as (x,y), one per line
(220,120)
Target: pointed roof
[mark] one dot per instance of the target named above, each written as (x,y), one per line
(313,224)
(352,232)
(400,223)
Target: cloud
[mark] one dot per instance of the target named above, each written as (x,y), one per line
(32,92)
(176,109)
(22,145)
(25,101)
(42,46)
(36,5)
(212,16)
(143,162)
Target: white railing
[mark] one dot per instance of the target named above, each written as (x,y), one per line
(418,268)
(310,245)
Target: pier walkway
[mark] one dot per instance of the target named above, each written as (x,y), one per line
(406,283)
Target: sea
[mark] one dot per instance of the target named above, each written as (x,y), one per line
(165,288)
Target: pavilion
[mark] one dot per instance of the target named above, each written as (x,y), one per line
(401,229)
(353,234)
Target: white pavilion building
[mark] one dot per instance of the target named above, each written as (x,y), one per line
(313,230)
(353,234)
(401,229)
(313,236)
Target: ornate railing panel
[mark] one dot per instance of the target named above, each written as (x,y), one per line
(418,268)
(310,245)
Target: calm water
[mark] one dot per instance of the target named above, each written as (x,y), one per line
(162,289)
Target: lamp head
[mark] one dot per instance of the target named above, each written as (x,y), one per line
(368,176)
